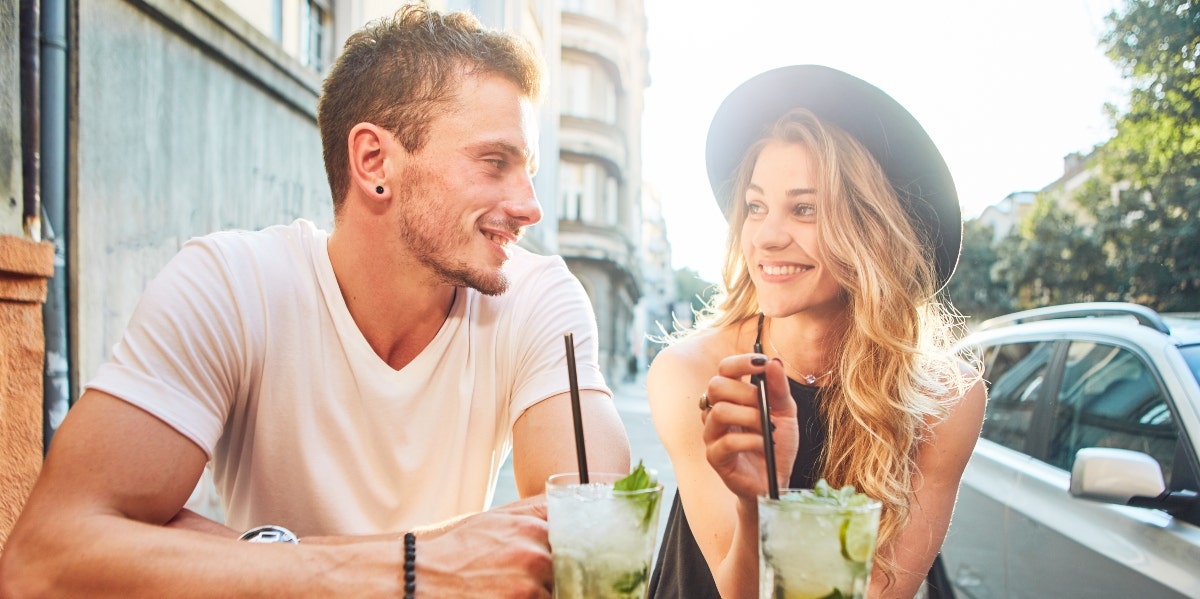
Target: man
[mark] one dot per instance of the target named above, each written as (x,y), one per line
(352,386)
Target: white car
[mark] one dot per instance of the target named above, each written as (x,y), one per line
(1084,482)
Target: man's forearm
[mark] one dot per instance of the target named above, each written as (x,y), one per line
(188,520)
(125,558)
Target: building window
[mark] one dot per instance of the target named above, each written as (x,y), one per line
(611,201)
(598,9)
(588,92)
(572,183)
(314,28)
(588,193)
(300,27)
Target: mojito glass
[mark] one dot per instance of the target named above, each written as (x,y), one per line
(813,546)
(601,540)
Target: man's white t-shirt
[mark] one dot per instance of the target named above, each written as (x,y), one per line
(244,345)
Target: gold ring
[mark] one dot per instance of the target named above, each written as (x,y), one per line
(704,405)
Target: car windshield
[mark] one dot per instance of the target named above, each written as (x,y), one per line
(1191,353)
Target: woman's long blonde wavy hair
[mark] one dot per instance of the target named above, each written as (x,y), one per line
(895,374)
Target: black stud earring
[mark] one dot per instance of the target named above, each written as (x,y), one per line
(379,189)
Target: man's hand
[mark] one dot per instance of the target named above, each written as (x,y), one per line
(503,553)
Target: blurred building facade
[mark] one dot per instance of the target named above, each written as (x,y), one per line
(1078,169)
(654,313)
(603,73)
(1007,214)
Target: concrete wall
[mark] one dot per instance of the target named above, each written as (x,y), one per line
(11,202)
(189,121)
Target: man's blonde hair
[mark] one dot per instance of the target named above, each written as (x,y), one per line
(402,72)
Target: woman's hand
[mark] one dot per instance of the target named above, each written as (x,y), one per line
(733,425)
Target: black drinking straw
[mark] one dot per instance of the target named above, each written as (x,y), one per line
(760,380)
(576,415)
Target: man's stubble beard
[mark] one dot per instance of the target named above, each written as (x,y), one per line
(433,239)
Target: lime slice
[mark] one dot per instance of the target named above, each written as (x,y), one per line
(805,590)
(858,537)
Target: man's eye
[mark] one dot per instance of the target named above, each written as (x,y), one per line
(496,162)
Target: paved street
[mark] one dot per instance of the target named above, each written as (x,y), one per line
(630,398)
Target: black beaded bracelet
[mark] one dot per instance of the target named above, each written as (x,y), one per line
(410,565)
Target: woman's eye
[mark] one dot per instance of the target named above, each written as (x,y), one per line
(754,208)
(804,210)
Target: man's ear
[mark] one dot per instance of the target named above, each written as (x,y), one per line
(371,162)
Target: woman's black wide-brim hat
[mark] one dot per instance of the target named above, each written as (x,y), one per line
(908,156)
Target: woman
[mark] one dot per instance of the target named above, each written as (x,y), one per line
(844,225)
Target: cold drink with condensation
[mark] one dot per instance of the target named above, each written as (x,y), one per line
(602,540)
(814,546)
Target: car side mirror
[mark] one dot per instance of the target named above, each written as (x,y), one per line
(1125,477)
(1115,476)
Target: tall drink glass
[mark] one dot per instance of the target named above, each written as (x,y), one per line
(602,540)
(815,548)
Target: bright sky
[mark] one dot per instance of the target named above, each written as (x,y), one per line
(1005,89)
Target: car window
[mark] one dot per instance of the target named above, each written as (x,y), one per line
(1110,398)
(1191,354)
(1015,372)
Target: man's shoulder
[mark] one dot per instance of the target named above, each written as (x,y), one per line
(298,231)
(264,245)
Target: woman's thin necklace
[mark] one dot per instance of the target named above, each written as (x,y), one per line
(809,379)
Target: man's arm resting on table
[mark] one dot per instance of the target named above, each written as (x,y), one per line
(188,520)
(94,526)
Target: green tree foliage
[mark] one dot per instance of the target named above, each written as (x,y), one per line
(1053,259)
(693,288)
(976,290)
(1131,233)
(1148,197)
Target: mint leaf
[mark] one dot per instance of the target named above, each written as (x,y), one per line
(823,493)
(638,480)
(629,582)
